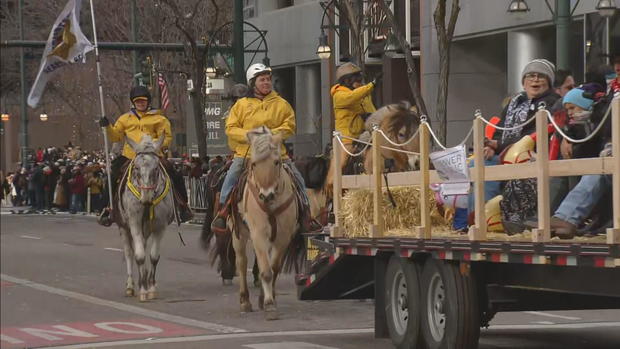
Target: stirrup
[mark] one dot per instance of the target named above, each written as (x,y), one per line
(217,229)
(105,219)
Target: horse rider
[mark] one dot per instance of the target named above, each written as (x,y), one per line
(140,120)
(261,106)
(352,104)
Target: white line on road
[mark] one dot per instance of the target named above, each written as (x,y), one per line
(30,237)
(124,307)
(312,332)
(558,326)
(113,249)
(217,337)
(540,313)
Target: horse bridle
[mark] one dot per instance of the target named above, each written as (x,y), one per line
(271,214)
(142,187)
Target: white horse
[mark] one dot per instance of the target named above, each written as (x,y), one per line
(146,209)
(269,213)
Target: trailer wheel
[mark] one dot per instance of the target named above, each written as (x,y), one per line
(450,314)
(402,292)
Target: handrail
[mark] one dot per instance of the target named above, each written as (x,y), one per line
(541,169)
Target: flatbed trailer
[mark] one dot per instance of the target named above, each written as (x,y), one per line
(437,292)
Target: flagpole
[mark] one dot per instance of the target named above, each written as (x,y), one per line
(105,134)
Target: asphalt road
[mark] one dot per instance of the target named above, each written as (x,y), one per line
(62,284)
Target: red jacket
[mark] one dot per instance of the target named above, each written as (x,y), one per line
(77,184)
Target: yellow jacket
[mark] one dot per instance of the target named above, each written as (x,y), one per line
(248,113)
(135,124)
(349,105)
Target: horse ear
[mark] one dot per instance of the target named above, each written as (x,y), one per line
(276,140)
(160,141)
(132,144)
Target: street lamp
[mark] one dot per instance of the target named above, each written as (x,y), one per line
(518,6)
(5,117)
(43,117)
(323,51)
(606,8)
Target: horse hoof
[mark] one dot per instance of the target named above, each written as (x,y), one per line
(271,313)
(142,297)
(151,295)
(246,308)
(227,282)
(129,292)
(261,302)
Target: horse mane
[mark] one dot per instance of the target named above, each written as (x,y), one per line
(262,146)
(398,115)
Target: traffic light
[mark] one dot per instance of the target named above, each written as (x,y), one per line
(145,77)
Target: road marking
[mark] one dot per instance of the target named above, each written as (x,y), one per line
(113,249)
(540,313)
(88,332)
(544,322)
(124,307)
(217,337)
(313,332)
(557,326)
(30,237)
(287,345)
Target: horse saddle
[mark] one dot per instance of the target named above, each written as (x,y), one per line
(122,186)
(236,197)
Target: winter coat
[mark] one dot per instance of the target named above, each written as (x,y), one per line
(95,184)
(349,106)
(135,124)
(519,110)
(77,184)
(248,113)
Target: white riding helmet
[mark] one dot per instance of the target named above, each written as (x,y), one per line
(256,69)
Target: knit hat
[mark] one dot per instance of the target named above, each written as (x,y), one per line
(541,66)
(575,96)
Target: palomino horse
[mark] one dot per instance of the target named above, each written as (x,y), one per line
(146,209)
(399,123)
(269,209)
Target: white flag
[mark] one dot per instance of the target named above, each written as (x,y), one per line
(65,45)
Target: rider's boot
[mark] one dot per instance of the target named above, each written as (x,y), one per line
(218,225)
(105,218)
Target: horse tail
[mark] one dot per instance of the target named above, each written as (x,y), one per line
(296,253)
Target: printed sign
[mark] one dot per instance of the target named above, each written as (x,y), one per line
(451,166)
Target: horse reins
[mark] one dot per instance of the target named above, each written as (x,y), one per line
(138,194)
(271,214)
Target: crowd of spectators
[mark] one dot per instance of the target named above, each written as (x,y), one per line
(61,178)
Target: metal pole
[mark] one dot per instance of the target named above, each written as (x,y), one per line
(562,33)
(22,81)
(238,42)
(105,134)
(134,36)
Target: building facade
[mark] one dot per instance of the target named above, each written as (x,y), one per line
(488,52)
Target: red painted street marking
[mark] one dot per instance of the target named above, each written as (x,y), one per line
(6,283)
(90,332)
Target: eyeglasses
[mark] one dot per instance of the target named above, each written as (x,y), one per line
(535,76)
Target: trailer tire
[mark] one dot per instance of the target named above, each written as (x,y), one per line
(450,313)
(402,302)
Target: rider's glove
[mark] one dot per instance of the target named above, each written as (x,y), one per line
(104,122)
(378,78)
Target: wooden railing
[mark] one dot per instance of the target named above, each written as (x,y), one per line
(541,169)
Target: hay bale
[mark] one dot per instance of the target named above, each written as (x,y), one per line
(356,212)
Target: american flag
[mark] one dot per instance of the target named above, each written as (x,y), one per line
(164,98)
